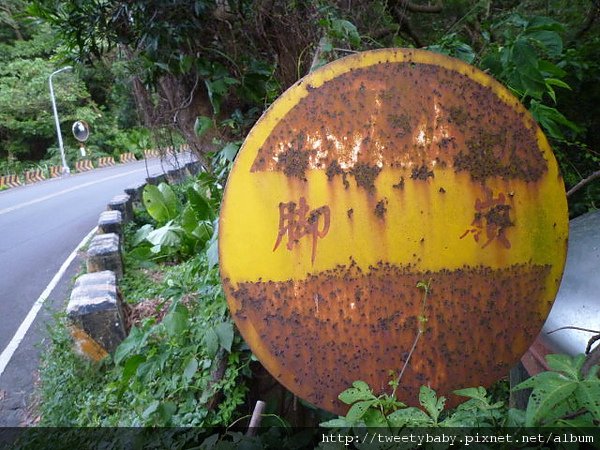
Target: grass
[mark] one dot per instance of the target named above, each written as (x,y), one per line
(184,366)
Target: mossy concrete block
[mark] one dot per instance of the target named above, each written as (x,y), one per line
(110,222)
(174,176)
(194,167)
(135,192)
(156,179)
(104,253)
(124,204)
(96,315)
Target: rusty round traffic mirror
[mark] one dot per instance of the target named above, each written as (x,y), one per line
(373,174)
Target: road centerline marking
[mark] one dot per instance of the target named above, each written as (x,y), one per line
(19,335)
(66,191)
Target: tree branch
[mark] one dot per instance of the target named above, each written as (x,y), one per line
(583,183)
(405,24)
(422,8)
(589,20)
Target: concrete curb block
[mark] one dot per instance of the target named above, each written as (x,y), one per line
(135,192)
(104,253)
(111,222)
(123,204)
(95,309)
(95,313)
(175,176)
(156,179)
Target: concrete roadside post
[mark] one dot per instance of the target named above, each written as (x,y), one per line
(104,253)
(96,315)
(123,204)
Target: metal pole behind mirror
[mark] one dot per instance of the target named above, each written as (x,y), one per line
(65,169)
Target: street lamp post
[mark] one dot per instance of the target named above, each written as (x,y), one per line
(65,169)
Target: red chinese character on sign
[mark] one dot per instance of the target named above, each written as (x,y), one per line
(296,221)
(493,216)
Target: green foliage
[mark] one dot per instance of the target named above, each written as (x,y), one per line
(562,397)
(180,230)
(526,62)
(384,411)
(164,372)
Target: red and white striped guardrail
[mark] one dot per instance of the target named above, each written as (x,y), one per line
(55,171)
(106,161)
(83,165)
(10,181)
(127,157)
(33,176)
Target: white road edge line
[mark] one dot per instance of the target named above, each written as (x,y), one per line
(14,343)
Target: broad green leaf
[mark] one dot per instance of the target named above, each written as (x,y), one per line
(211,341)
(588,396)
(359,391)
(166,411)
(544,401)
(131,365)
(549,40)
(358,409)
(142,254)
(584,421)
(136,339)
(190,369)
(198,202)
(432,404)
(515,418)
(141,234)
(523,55)
(188,220)
(336,423)
(532,81)
(170,199)
(551,119)
(551,69)
(202,125)
(212,252)
(539,379)
(544,23)
(151,409)
(168,235)
(225,333)
(176,321)
(185,63)
(156,204)
(566,364)
(374,418)
(478,393)
(558,83)
(409,417)
(230,151)
(203,231)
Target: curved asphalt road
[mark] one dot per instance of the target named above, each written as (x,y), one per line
(40,226)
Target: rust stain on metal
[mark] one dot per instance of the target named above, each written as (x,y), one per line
(467,343)
(380,208)
(492,214)
(390,113)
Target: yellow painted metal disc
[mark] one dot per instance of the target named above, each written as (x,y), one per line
(372,174)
